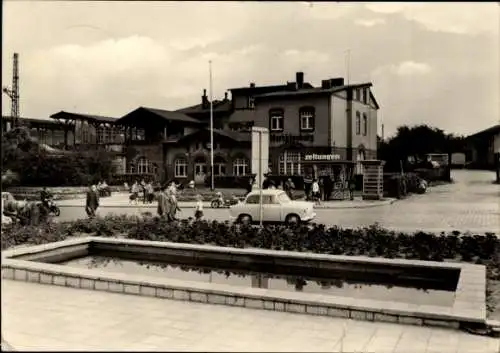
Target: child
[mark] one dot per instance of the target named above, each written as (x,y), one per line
(198,210)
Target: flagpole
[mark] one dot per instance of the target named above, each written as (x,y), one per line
(348,65)
(211,130)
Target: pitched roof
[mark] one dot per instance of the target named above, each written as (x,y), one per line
(166,115)
(218,106)
(314,90)
(495,129)
(242,116)
(32,120)
(233,135)
(268,89)
(86,117)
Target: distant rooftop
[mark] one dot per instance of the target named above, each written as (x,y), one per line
(85,117)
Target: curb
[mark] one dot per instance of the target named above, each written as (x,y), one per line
(207,206)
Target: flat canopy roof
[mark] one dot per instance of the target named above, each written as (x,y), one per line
(83,117)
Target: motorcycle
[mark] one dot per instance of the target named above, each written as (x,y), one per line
(221,202)
(53,208)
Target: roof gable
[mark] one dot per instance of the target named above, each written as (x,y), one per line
(91,118)
(137,116)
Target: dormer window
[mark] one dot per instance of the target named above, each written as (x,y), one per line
(365,96)
(276,120)
(251,102)
(306,115)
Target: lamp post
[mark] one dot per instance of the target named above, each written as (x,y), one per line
(211,130)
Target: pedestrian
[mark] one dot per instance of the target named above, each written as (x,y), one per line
(172,205)
(92,201)
(352,187)
(248,186)
(144,191)
(307,186)
(315,192)
(288,188)
(266,183)
(162,203)
(150,192)
(321,184)
(134,193)
(198,210)
(328,186)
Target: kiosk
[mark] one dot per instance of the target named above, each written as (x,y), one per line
(332,173)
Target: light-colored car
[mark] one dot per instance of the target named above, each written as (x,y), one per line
(276,207)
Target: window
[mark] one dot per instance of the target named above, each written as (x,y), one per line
(251,102)
(365,124)
(276,120)
(268,199)
(253,199)
(358,95)
(365,95)
(219,166)
(131,168)
(290,163)
(283,198)
(358,123)
(306,119)
(143,165)
(180,168)
(240,167)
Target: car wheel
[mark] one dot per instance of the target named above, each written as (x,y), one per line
(244,219)
(292,219)
(215,204)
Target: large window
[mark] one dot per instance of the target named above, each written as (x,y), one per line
(276,119)
(251,102)
(365,124)
(180,166)
(101,135)
(219,166)
(358,123)
(290,163)
(143,165)
(240,167)
(306,119)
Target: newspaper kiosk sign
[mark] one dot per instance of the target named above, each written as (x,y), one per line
(322,157)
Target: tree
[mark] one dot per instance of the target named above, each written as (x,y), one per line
(416,142)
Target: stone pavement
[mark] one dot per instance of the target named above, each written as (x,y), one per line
(119,200)
(44,317)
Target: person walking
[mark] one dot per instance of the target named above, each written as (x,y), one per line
(134,192)
(150,192)
(198,210)
(144,191)
(162,203)
(352,187)
(307,186)
(92,201)
(315,191)
(288,188)
(172,205)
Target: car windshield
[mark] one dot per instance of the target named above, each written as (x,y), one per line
(283,198)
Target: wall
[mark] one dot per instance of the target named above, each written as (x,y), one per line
(291,108)
(496,143)
(370,140)
(338,116)
(154,153)
(240,101)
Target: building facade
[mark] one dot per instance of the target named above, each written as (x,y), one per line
(483,148)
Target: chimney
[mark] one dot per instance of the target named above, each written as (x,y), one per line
(299,78)
(325,84)
(225,96)
(337,81)
(252,84)
(204,100)
(291,86)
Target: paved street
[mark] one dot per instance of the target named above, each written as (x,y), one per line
(44,317)
(472,203)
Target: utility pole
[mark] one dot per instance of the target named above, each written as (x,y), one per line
(13,92)
(211,129)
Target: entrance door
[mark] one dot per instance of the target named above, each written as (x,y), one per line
(200,171)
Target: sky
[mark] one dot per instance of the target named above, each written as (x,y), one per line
(432,63)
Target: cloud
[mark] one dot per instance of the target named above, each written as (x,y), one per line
(410,68)
(461,18)
(369,23)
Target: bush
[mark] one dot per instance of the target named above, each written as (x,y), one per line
(371,241)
